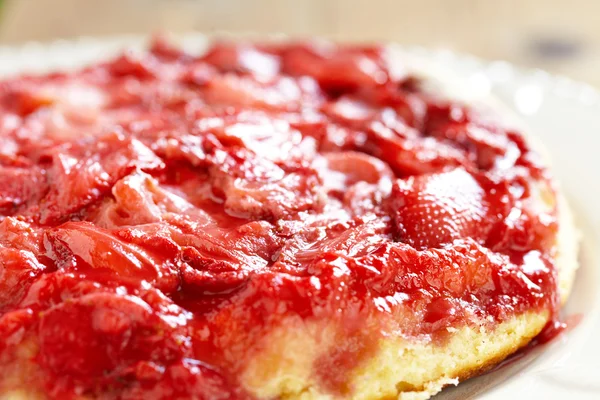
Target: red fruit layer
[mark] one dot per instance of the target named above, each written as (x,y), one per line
(160,215)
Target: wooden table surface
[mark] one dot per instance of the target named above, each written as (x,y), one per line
(557,35)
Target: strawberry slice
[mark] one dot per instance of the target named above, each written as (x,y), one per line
(184,379)
(221,259)
(242,59)
(79,177)
(21,235)
(99,332)
(97,251)
(407,153)
(18,270)
(18,187)
(337,71)
(434,210)
(277,94)
(255,188)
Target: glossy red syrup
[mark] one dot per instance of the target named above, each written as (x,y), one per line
(161,214)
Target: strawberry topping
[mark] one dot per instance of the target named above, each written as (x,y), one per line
(162,214)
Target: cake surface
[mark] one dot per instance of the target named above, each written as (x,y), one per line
(294,221)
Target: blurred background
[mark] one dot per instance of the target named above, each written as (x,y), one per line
(562,36)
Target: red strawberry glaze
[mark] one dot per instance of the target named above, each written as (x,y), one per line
(161,214)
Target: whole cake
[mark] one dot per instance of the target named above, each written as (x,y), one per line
(277,221)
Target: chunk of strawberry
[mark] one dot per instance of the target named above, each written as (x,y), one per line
(350,71)
(462,269)
(78,178)
(266,137)
(96,335)
(278,94)
(488,148)
(408,106)
(25,99)
(18,270)
(242,59)
(133,65)
(350,111)
(256,188)
(86,246)
(356,237)
(217,260)
(344,169)
(336,70)
(19,187)
(188,148)
(184,379)
(162,48)
(407,153)
(434,210)
(52,288)
(21,235)
(139,199)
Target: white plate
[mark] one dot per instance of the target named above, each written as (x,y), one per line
(565,115)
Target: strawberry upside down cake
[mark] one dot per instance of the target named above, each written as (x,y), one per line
(280,221)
